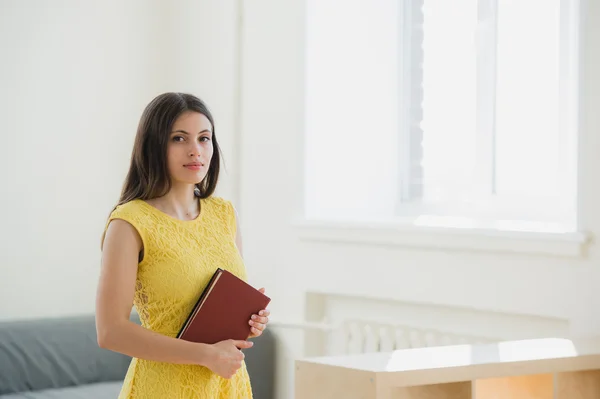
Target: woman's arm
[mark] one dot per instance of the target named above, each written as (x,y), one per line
(116,332)
(116,288)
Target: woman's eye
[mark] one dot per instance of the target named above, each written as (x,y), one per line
(204,138)
(177,138)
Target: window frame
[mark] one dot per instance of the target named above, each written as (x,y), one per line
(563,213)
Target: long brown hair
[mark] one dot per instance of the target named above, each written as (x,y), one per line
(148,175)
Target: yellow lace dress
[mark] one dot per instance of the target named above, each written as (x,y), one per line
(179,259)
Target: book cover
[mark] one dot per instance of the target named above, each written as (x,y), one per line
(223,310)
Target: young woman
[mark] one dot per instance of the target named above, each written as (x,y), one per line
(162,243)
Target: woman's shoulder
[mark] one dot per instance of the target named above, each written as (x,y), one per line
(218,201)
(222,209)
(131,212)
(129,208)
(220,204)
(135,212)
(215,200)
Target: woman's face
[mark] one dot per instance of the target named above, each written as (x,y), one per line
(190,148)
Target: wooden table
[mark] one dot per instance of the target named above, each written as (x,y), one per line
(529,369)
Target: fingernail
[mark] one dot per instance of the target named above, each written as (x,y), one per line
(261,313)
(253,317)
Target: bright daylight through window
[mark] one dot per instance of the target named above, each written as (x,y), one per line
(457,113)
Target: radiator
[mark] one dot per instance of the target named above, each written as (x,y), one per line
(336,325)
(360,336)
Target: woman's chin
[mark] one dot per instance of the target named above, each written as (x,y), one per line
(188,180)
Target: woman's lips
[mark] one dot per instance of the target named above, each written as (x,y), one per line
(194,166)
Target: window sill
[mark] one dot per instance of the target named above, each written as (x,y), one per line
(411,235)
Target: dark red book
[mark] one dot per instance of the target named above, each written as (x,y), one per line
(223,310)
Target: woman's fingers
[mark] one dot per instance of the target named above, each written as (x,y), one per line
(258,322)
(258,325)
(259,319)
(255,332)
(256,329)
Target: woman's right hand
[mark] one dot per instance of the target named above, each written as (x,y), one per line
(226,357)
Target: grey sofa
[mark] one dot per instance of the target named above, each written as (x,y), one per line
(60,359)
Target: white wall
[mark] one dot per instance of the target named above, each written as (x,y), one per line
(271,189)
(75,77)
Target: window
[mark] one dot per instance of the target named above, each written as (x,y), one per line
(460,113)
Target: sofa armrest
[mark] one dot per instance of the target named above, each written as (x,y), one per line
(260,363)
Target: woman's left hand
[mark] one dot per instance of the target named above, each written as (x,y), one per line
(258,322)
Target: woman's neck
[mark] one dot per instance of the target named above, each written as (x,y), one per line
(180,202)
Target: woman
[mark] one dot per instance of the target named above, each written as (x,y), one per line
(161,245)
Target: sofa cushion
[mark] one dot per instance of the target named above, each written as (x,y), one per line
(102,390)
(55,353)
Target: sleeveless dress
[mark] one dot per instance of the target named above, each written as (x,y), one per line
(179,259)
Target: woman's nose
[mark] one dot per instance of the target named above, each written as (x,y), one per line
(195,150)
